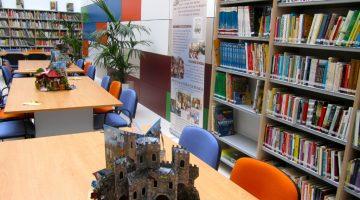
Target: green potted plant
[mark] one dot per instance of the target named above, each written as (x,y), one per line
(117,45)
(73,40)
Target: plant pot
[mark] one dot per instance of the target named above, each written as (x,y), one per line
(128,85)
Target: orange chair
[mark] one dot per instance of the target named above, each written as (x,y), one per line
(86,66)
(263,180)
(115,90)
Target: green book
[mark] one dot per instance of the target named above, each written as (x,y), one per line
(220,85)
(353,20)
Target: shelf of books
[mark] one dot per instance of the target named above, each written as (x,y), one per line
(295,64)
(23,29)
(296,3)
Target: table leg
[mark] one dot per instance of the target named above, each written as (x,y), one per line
(51,123)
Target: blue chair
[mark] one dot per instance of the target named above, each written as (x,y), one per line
(7,76)
(13,58)
(16,129)
(202,144)
(105,83)
(129,99)
(80,63)
(91,72)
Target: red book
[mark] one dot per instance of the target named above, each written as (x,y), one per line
(250,57)
(347,76)
(337,27)
(304,112)
(322,116)
(328,163)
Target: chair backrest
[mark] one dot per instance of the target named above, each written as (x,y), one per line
(14,57)
(115,89)
(263,180)
(91,72)
(130,100)
(80,63)
(37,56)
(202,144)
(7,75)
(87,64)
(105,82)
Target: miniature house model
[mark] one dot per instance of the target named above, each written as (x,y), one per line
(51,80)
(135,170)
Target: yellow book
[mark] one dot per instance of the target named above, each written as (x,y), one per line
(315,34)
(354,33)
(296,147)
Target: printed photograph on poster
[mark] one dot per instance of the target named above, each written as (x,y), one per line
(20,4)
(175,107)
(177,67)
(197,27)
(197,50)
(187,106)
(53,5)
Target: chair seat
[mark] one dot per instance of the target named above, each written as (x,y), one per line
(115,120)
(103,110)
(14,129)
(5,116)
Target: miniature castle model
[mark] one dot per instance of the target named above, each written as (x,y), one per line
(135,170)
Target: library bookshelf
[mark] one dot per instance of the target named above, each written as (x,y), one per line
(243,140)
(24,29)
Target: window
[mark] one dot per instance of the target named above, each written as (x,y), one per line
(121,175)
(155,183)
(153,157)
(141,159)
(143,191)
(182,163)
(134,195)
(170,185)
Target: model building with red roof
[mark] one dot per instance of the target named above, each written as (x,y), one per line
(51,80)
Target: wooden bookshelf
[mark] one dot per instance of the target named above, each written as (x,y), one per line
(230,37)
(37,22)
(241,142)
(318,3)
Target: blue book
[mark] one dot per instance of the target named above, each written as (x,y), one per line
(224,120)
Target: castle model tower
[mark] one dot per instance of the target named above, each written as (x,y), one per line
(134,170)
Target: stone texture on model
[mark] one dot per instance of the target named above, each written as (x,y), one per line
(136,171)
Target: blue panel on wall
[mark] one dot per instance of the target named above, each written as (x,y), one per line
(92,13)
(88,29)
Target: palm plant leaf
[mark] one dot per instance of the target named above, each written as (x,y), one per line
(121,44)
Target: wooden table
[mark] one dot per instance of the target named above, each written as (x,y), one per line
(59,112)
(61,168)
(30,67)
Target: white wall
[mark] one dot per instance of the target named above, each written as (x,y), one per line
(43,4)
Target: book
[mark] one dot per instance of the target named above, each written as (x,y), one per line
(224,120)
(70,7)
(313,155)
(330,75)
(251,58)
(319,28)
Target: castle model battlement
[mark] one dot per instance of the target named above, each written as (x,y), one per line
(135,170)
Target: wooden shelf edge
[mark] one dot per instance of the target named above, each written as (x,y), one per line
(307,130)
(309,171)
